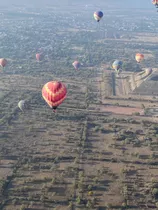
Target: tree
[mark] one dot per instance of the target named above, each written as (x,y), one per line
(22,207)
(78,200)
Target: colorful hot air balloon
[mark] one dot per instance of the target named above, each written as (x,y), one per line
(76,65)
(98,15)
(22,105)
(54,93)
(3,62)
(139,57)
(38,56)
(117,65)
(155,2)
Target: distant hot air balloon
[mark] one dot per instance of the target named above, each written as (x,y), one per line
(76,65)
(38,56)
(139,57)
(3,62)
(155,2)
(54,93)
(98,15)
(117,65)
(22,105)
(148,71)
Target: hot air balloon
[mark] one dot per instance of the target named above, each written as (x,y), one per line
(148,71)
(155,2)
(54,93)
(139,57)
(117,65)
(98,15)
(38,56)
(76,65)
(23,105)
(3,62)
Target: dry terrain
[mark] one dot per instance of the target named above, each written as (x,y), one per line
(99,150)
(89,154)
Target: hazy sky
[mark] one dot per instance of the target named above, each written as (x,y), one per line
(121,3)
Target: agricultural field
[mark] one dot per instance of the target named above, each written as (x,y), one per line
(99,150)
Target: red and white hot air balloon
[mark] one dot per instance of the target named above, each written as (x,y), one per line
(54,93)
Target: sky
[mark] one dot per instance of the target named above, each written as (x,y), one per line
(119,3)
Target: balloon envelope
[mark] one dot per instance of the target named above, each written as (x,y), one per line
(148,71)
(22,105)
(76,64)
(98,15)
(117,64)
(155,2)
(54,93)
(3,62)
(139,57)
(38,56)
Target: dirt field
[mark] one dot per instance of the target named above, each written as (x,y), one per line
(122,110)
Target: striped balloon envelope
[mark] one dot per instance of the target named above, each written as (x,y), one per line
(54,93)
